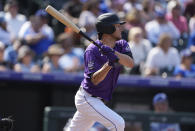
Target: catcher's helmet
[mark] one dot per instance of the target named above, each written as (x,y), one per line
(105,23)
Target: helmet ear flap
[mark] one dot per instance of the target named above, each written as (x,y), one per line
(105,28)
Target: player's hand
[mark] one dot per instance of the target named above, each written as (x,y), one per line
(109,52)
(106,49)
(112,58)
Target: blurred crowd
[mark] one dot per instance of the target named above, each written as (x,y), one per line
(160,33)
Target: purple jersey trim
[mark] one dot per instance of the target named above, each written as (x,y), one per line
(99,112)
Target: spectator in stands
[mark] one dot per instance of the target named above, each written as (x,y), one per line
(183,4)
(52,60)
(72,59)
(159,26)
(176,17)
(88,16)
(117,5)
(11,52)
(4,66)
(43,16)
(132,4)
(162,58)
(104,6)
(191,43)
(25,61)
(186,68)
(161,105)
(190,9)
(133,19)
(72,9)
(140,48)
(5,36)
(13,18)
(37,34)
(148,10)
(162,3)
(192,24)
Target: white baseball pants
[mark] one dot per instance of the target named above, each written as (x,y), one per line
(91,110)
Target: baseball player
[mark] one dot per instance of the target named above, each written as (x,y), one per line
(102,68)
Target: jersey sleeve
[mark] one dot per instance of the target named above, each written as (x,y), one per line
(126,49)
(90,62)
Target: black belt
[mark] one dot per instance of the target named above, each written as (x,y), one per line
(81,88)
(99,98)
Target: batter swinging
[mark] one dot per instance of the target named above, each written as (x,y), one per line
(100,77)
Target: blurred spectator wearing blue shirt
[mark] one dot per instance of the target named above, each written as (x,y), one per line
(72,59)
(4,66)
(37,34)
(160,26)
(11,52)
(186,68)
(5,36)
(25,61)
(161,105)
(191,42)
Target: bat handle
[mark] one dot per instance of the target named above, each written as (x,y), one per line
(88,38)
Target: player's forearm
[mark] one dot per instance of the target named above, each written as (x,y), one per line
(125,60)
(100,75)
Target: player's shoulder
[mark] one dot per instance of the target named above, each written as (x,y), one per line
(121,42)
(122,46)
(92,48)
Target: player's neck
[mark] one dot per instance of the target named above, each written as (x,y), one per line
(109,41)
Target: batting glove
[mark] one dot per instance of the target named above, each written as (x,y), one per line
(106,49)
(109,52)
(112,58)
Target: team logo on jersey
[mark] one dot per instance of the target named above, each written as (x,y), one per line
(90,65)
(127,48)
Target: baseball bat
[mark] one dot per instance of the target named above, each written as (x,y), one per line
(66,21)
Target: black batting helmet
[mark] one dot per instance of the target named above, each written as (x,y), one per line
(105,23)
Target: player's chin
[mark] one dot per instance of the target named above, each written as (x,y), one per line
(119,37)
